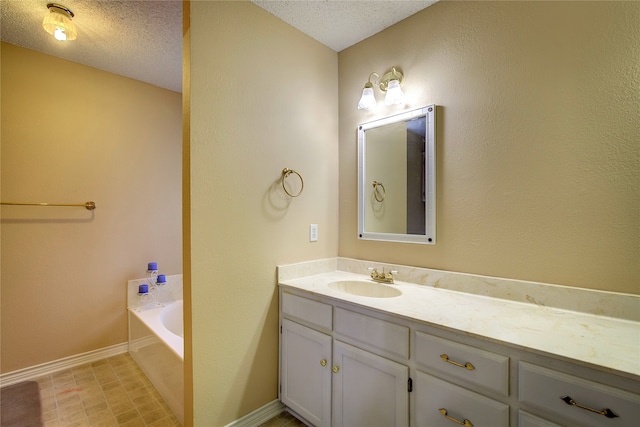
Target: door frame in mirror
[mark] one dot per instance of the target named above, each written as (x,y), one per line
(429,112)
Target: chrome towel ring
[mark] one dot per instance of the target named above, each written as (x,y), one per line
(379,196)
(285,174)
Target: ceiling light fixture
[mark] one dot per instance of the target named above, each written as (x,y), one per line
(389,83)
(58,22)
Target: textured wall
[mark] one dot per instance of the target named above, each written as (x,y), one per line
(71,133)
(263,97)
(537,138)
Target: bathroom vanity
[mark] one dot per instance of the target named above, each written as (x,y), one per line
(427,354)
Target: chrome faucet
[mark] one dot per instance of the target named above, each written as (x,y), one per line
(382,277)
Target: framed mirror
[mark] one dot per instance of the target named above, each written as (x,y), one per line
(396,178)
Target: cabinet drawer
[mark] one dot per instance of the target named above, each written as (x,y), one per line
(434,396)
(373,334)
(527,420)
(543,390)
(312,312)
(479,368)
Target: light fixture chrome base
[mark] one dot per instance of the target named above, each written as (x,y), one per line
(61,7)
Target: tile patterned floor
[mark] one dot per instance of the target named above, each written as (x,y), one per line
(110,392)
(285,419)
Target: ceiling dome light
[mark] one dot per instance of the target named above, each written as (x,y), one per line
(58,22)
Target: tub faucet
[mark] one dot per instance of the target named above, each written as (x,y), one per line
(382,277)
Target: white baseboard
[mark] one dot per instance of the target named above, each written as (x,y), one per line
(259,416)
(49,368)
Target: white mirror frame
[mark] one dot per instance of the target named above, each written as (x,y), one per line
(430,176)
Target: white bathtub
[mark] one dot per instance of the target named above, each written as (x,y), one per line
(156,343)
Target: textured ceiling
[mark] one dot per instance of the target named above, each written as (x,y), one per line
(137,39)
(339,24)
(142,39)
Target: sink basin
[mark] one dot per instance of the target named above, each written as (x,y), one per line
(365,289)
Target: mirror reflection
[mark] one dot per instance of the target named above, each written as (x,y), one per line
(396,178)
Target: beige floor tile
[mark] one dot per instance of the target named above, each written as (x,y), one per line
(70,417)
(153,416)
(106,378)
(89,379)
(48,404)
(136,422)
(116,394)
(111,385)
(51,415)
(82,423)
(95,407)
(127,416)
(164,422)
(148,406)
(104,417)
(132,385)
(122,407)
(69,404)
(140,392)
(62,385)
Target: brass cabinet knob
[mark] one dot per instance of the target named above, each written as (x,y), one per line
(323,362)
(335,369)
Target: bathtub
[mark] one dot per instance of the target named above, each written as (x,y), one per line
(156,343)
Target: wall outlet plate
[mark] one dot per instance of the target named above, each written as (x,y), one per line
(313,232)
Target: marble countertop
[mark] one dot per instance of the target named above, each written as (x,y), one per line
(609,343)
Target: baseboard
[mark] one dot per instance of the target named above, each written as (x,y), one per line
(259,416)
(49,368)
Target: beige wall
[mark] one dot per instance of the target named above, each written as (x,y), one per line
(71,133)
(263,97)
(537,138)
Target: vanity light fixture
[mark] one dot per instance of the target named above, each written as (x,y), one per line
(368,99)
(58,22)
(389,83)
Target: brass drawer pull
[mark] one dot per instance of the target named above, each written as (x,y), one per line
(465,423)
(323,362)
(606,411)
(335,369)
(467,365)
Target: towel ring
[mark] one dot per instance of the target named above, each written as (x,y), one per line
(379,197)
(285,173)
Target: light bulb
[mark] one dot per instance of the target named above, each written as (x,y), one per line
(59,34)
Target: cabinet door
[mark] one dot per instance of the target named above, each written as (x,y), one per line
(368,390)
(305,372)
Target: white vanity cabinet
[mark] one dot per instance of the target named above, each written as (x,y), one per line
(337,374)
(345,364)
